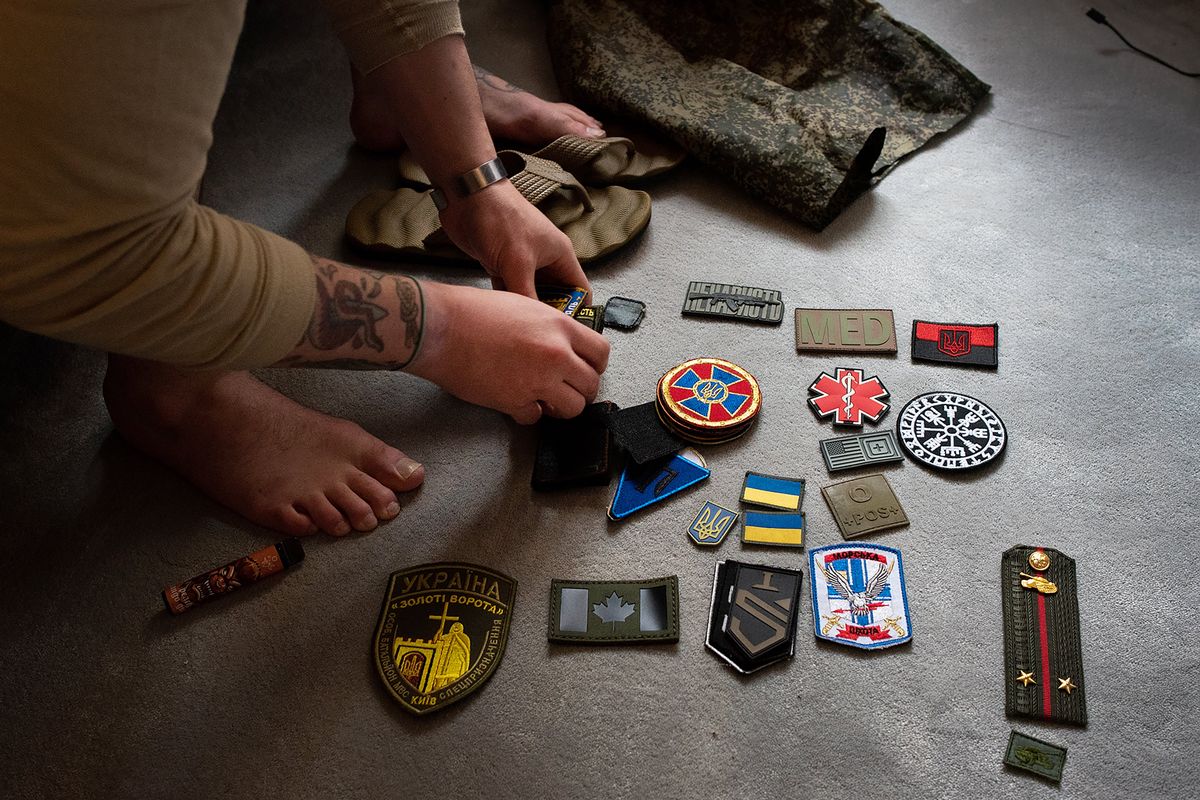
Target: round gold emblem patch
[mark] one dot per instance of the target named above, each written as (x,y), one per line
(1039,560)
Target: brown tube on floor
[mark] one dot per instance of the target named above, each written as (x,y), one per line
(233,576)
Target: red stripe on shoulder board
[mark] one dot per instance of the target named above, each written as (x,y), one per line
(981,335)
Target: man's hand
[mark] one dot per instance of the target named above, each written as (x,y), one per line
(515,243)
(443,124)
(509,353)
(496,349)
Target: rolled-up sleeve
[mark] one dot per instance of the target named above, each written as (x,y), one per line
(376,31)
(107,125)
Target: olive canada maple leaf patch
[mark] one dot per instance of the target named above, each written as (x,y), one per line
(614,609)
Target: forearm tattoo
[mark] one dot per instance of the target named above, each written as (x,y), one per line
(410,310)
(347,311)
(350,314)
(491,81)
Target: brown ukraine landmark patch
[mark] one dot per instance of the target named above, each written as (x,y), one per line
(441,632)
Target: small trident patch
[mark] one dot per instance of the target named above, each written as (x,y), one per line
(711,524)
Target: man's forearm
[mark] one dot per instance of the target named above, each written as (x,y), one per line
(440,115)
(361,320)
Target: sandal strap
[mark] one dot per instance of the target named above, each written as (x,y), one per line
(538,178)
(575,152)
(535,178)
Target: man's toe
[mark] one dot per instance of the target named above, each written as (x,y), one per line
(579,115)
(353,507)
(327,517)
(290,520)
(395,470)
(380,498)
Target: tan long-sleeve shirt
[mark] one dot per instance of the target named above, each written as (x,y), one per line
(106,110)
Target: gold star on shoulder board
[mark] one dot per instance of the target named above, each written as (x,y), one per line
(1064,684)
(1025,678)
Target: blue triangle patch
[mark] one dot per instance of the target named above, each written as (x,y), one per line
(644,485)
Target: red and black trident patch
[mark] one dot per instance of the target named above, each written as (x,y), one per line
(954,343)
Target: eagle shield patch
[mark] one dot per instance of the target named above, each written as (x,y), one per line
(858,595)
(441,632)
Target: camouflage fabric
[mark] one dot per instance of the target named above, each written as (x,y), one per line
(803,103)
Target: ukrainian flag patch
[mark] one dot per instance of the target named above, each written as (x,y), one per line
(782,529)
(772,491)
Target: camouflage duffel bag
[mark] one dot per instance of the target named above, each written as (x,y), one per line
(803,103)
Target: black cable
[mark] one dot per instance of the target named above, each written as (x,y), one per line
(1100,19)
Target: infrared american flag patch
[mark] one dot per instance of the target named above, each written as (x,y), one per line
(860,450)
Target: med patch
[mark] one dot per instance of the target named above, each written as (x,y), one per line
(441,632)
(947,430)
(752,618)
(858,595)
(712,524)
(864,505)
(745,303)
(613,612)
(860,450)
(956,343)
(834,330)
(772,491)
(848,398)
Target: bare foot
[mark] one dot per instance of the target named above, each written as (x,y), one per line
(515,114)
(273,461)
(511,113)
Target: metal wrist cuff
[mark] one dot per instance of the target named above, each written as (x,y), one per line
(473,181)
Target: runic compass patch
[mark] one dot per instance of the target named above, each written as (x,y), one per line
(848,397)
(858,595)
(441,632)
(946,430)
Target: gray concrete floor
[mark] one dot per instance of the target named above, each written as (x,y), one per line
(1067,210)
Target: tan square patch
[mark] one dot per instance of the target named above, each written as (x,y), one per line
(864,505)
